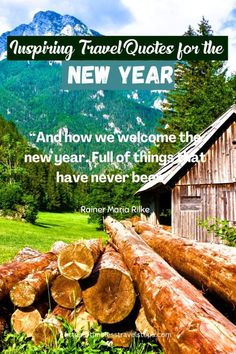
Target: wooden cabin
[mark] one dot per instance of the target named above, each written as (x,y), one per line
(196,191)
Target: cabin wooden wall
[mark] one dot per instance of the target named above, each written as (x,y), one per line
(208,189)
(198,202)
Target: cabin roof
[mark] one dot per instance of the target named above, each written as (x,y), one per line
(167,172)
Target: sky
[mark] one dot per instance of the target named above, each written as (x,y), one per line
(132,17)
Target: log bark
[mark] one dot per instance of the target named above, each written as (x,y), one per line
(66,292)
(82,321)
(109,293)
(58,246)
(142,226)
(212,267)
(29,290)
(50,329)
(77,260)
(143,326)
(13,272)
(26,320)
(26,253)
(187,321)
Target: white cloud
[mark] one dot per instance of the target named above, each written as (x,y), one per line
(172,17)
(130,17)
(101,13)
(4,25)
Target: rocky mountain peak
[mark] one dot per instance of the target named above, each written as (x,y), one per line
(48,23)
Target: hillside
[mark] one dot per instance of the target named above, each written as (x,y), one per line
(31,96)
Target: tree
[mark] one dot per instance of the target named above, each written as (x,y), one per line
(202,93)
(26,188)
(12,149)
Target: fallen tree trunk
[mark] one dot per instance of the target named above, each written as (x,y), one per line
(29,290)
(66,292)
(108,293)
(187,322)
(76,261)
(211,266)
(13,272)
(50,329)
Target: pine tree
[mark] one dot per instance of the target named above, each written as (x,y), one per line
(202,93)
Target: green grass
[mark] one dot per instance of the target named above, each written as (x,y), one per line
(76,343)
(49,227)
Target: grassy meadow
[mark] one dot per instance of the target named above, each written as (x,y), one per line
(49,228)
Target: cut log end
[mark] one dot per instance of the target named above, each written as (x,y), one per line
(13,272)
(23,294)
(143,326)
(66,292)
(76,261)
(51,328)
(46,333)
(122,339)
(28,290)
(82,321)
(114,294)
(26,320)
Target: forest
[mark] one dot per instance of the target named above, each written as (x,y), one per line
(203,91)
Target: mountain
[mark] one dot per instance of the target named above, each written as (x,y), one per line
(48,23)
(31,96)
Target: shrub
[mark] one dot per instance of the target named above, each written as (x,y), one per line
(10,196)
(221,229)
(31,209)
(15,204)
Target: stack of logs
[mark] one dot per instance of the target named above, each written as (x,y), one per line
(137,281)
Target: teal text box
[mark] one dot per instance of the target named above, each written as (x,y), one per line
(118,75)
